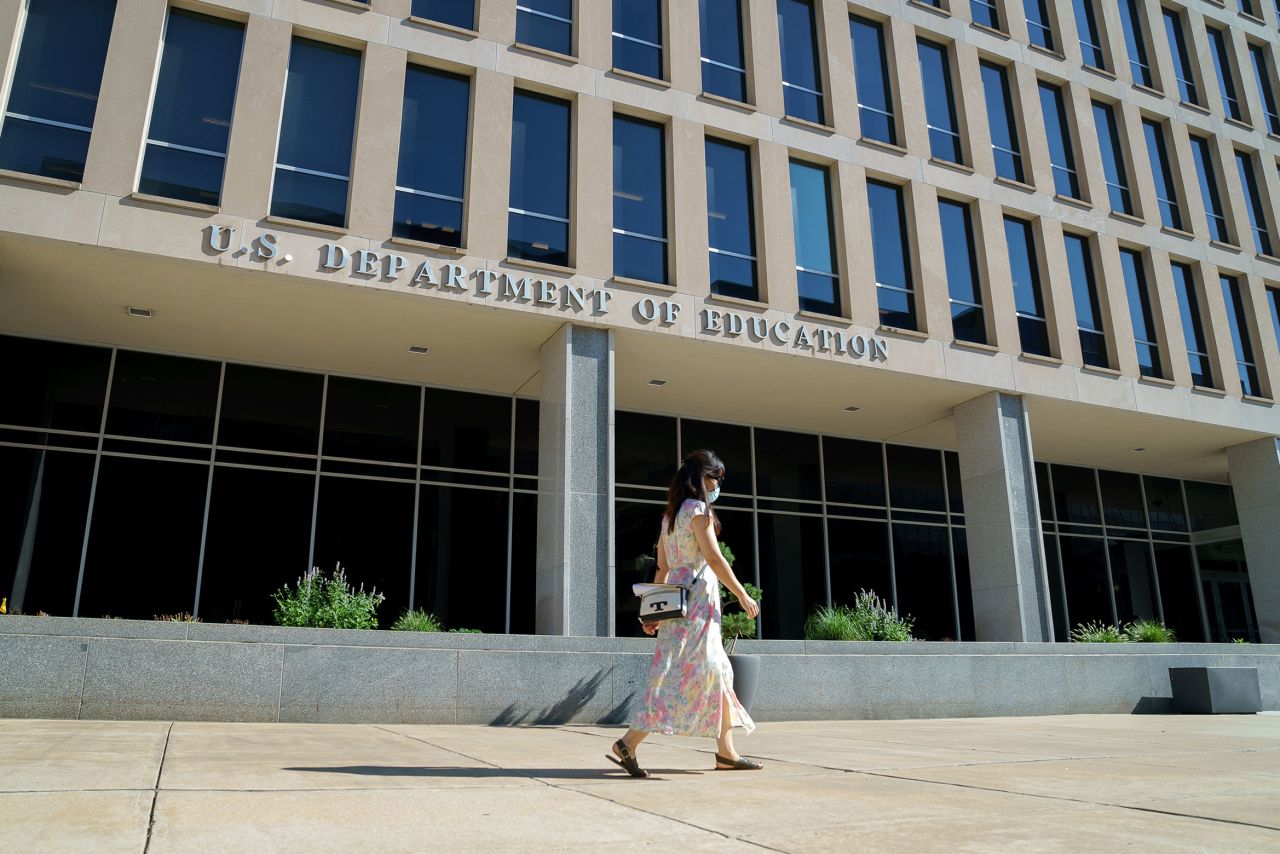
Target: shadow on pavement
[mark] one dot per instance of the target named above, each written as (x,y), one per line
(484,773)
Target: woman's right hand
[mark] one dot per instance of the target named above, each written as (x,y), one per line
(751,606)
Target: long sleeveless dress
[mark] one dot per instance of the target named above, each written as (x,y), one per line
(690,670)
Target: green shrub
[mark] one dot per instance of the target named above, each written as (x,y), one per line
(1096,633)
(868,619)
(467,631)
(1239,640)
(180,617)
(417,621)
(326,603)
(1148,631)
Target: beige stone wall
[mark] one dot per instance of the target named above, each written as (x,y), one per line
(99,212)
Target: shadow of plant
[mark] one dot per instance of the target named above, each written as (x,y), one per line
(564,710)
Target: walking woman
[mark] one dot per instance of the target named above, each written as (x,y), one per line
(690,688)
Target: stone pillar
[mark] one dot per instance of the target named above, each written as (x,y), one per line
(1255,478)
(575,484)
(1006,546)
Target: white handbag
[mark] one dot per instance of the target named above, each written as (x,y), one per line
(660,602)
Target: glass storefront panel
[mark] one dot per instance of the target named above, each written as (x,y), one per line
(1061,631)
(370,420)
(787,465)
(171,398)
(792,572)
(1164,504)
(921,556)
(645,449)
(854,471)
(859,559)
(1075,495)
(270,409)
(1084,570)
(1122,503)
(731,442)
(1228,602)
(915,478)
(1178,591)
(461,563)
(1133,580)
(524,554)
(60,386)
(1210,506)
(463,430)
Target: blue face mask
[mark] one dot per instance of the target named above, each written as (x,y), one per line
(713,495)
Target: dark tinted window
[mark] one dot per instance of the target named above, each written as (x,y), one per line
(163,397)
(1135,41)
(313,162)
(270,409)
(1084,571)
(986,13)
(1033,328)
(538,221)
(191,114)
(1184,285)
(1061,154)
(1210,505)
(1039,29)
(731,442)
(463,430)
(855,471)
(962,271)
(61,386)
(723,58)
(1266,95)
(1162,174)
(639,200)
(526,436)
(1203,156)
(859,559)
(1182,68)
(1133,580)
(816,279)
(1114,169)
(637,36)
(787,465)
(547,24)
(644,449)
(1075,494)
(371,420)
(792,571)
(1238,319)
(895,287)
(1220,47)
(915,478)
(1178,591)
(1005,146)
(1061,631)
(458,13)
(922,556)
(1254,203)
(801,74)
(461,564)
(731,220)
(1093,342)
(431,177)
(54,94)
(939,103)
(636,530)
(1165,508)
(1087,30)
(1122,502)
(1145,334)
(871,71)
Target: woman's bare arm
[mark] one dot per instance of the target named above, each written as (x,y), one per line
(660,576)
(710,548)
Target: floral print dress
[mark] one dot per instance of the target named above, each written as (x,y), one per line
(690,670)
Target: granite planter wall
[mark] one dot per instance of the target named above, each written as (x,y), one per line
(57,667)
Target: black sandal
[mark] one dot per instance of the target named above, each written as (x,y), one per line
(628,762)
(742,763)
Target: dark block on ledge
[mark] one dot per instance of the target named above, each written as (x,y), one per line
(1216,690)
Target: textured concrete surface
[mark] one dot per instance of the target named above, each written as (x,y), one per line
(1172,783)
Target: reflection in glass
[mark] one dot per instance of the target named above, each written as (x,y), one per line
(962,271)
(1162,174)
(538,214)
(462,566)
(731,220)
(1178,591)
(1122,503)
(636,529)
(1084,568)
(871,73)
(1084,290)
(816,279)
(1090,39)
(1184,285)
(1062,158)
(1005,146)
(1033,327)
(723,58)
(1253,203)
(44,499)
(1210,505)
(1182,68)
(1165,508)
(1219,46)
(859,559)
(60,386)
(892,255)
(787,465)
(1146,336)
(1115,172)
(1203,156)
(792,572)
(939,103)
(637,36)
(1225,585)
(163,397)
(1136,42)
(432,171)
(1038,27)
(1262,75)
(801,74)
(1133,580)
(1075,494)
(547,24)
(639,200)
(270,409)
(921,555)
(1238,320)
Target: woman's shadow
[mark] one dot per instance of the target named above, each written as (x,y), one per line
(448,772)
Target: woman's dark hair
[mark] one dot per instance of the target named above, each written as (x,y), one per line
(687,484)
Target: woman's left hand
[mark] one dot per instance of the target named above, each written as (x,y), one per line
(650,629)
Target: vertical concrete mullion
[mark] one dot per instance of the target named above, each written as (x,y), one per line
(377,147)
(777,254)
(593,33)
(1265,354)
(688,186)
(973,105)
(1110,277)
(496,20)
(1222,347)
(1006,544)
(842,95)
(900,38)
(124,99)
(1084,142)
(994,260)
(864,304)
(1168,319)
(1255,479)
(1059,301)
(1203,65)
(489,167)
(932,293)
(764,56)
(1115,48)
(255,124)
(593,187)
(1231,189)
(684,46)
(1025,89)
(1142,185)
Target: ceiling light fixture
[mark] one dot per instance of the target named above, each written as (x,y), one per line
(851,409)
(138,312)
(657,383)
(420,350)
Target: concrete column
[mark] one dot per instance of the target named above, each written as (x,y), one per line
(593,187)
(255,124)
(575,484)
(1255,477)
(775,237)
(688,185)
(489,173)
(1006,546)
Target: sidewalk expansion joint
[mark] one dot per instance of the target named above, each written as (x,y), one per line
(155,791)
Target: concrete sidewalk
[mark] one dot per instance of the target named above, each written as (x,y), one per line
(1052,783)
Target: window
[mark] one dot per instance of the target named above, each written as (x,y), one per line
(1273,297)
(1039,30)
(1253,203)
(547,24)
(1203,155)
(895,290)
(55,87)
(1090,40)
(1113,163)
(1182,68)
(456,13)
(1248,7)
(1145,335)
(939,105)
(431,177)
(1136,42)
(871,67)
(1084,290)
(986,13)
(639,200)
(191,114)
(1033,328)
(1005,147)
(1220,45)
(801,74)
(1237,317)
(816,278)
(313,162)
(538,215)
(1162,174)
(1184,285)
(967,322)
(724,64)
(1061,156)
(1262,74)
(637,36)
(731,229)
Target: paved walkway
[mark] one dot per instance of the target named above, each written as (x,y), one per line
(1051,783)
